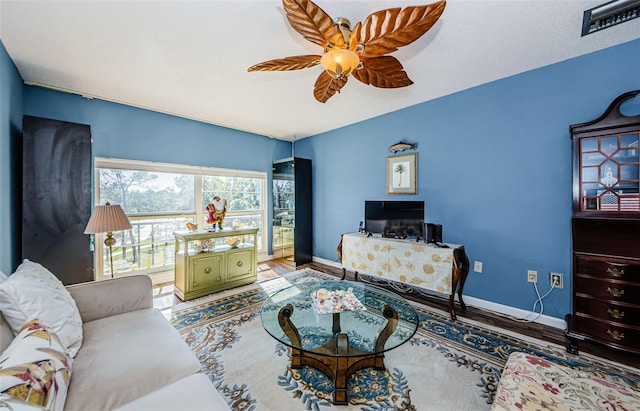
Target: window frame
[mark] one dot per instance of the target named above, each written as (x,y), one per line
(198,214)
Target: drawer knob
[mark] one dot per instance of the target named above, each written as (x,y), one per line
(207,270)
(615,334)
(615,313)
(615,292)
(614,272)
(239,263)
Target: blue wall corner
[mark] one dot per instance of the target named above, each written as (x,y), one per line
(11,105)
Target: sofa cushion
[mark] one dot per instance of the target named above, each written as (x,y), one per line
(194,393)
(126,356)
(34,292)
(36,367)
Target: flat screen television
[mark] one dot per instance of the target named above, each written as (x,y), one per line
(395,219)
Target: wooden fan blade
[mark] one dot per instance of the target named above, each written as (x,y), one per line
(326,86)
(383,72)
(287,63)
(384,31)
(312,23)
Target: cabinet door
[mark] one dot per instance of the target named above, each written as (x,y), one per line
(239,264)
(207,271)
(606,179)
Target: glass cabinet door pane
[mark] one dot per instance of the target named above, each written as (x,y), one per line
(609,145)
(283,209)
(609,173)
(592,159)
(588,144)
(589,174)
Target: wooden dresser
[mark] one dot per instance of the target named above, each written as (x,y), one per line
(606,231)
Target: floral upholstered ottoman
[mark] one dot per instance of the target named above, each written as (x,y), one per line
(533,383)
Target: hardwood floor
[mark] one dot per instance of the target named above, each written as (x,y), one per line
(269,269)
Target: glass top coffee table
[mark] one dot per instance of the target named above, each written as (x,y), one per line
(338,327)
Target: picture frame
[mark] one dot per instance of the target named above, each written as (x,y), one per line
(402,174)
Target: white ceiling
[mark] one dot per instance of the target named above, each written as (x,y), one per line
(190,58)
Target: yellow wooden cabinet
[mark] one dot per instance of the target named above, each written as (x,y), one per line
(207,262)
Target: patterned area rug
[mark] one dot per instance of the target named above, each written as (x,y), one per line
(446,366)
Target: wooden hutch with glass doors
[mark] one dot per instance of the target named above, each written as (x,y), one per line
(606,229)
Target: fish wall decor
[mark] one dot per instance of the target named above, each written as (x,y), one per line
(402,146)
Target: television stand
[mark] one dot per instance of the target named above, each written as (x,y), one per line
(407,265)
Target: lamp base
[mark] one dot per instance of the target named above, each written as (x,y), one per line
(110,242)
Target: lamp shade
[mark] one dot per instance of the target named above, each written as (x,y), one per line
(106,219)
(339,63)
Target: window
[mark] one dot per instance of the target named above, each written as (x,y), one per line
(148,192)
(160,199)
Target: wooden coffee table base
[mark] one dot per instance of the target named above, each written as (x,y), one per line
(340,360)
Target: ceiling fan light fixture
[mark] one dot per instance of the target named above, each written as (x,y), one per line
(340,63)
(379,34)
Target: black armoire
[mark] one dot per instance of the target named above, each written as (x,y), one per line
(292,213)
(56,197)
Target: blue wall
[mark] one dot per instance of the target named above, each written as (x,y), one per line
(11,90)
(494,168)
(126,132)
(494,162)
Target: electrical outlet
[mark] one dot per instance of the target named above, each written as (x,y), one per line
(477,266)
(532,276)
(555,280)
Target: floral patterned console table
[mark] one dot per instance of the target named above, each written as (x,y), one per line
(410,262)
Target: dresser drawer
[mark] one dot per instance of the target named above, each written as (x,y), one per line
(613,334)
(611,290)
(619,313)
(240,265)
(613,268)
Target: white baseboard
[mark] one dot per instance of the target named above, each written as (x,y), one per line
(487,305)
(326,262)
(514,312)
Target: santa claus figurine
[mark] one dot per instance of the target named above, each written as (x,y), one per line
(216,211)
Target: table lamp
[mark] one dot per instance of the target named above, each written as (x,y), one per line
(107,219)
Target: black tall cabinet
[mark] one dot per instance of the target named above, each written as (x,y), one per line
(292,212)
(56,197)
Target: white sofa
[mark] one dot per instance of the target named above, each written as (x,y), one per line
(131,357)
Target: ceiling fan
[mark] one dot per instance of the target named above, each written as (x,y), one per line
(360,52)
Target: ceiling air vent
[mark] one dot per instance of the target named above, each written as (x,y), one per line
(609,14)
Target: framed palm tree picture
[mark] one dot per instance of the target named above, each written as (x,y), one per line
(402,174)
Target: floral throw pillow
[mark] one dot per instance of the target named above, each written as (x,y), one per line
(36,368)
